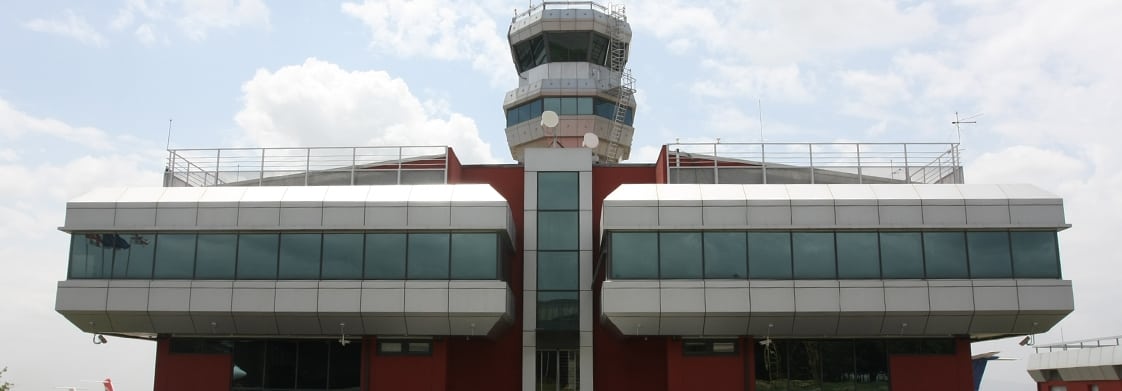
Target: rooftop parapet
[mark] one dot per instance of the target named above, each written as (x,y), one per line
(792,163)
(306,166)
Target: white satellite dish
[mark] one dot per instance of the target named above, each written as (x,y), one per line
(590,141)
(549,119)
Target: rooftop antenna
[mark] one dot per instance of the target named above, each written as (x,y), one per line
(760,108)
(959,121)
(168,146)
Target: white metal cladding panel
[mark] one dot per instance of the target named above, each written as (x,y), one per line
(287,307)
(849,206)
(1090,363)
(466,206)
(830,307)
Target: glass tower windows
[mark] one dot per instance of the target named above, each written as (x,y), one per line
(832,255)
(769,255)
(385,256)
(288,256)
(901,255)
(216,257)
(989,254)
(557,46)
(944,255)
(1035,254)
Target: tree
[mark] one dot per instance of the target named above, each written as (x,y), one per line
(5,386)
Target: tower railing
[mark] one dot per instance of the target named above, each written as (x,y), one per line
(305,166)
(813,163)
(617,48)
(558,5)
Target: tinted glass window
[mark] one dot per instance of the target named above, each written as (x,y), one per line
(871,364)
(530,53)
(598,51)
(249,356)
(281,370)
(552,104)
(558,231)
(989,254)
(584,106)
(945,254)
(299,256)
(535,107)
(175,256)
(558,191)
(858,255)
(475,256)
(428,257)
(558,310)
(342,256)
(257,256)
(385,256)
(217,254)
(558,270)
(837,373)
(139,257)
(680,255)
(1035,255)
(634,255)
(568,46)
(568,106)
(769,255)
(605,108)
(814,255)
(88,257)
(726,255)
(901,255)
(311,365)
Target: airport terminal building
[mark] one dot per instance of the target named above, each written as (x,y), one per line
(721,266)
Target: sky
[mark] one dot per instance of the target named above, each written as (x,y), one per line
(87,90)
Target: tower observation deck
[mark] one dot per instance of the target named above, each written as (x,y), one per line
(571,59)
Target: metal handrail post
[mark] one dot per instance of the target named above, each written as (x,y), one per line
(354,163)
(261,173)
(446,153)
(763,161)
(716,178)
(217,165)
(907,171)
(170,177)
(399,154)
(810,155)
(307,164)
(860,179)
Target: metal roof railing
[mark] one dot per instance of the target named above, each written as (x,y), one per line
(304,166)
(814,162)
(1082,344)
(559,5)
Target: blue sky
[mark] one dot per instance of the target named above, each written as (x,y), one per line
(87,89)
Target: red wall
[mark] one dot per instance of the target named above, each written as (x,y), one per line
(711,373)
(622,363)
(493,364)
(933,372)
(191,372)
(406,373)
(1104,385)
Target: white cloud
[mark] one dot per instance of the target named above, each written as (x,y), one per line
(71,26)
(439,30)
(32,201)
(194,18)
(145,35)
(778,33)
(317,103)
(15,124)
(783,83)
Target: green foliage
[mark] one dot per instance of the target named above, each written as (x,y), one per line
(5,386)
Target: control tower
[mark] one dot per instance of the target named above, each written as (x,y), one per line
(571,58)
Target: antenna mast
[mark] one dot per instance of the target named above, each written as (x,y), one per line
(168,146)
(959,121)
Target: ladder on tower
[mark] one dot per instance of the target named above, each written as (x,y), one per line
(626,90)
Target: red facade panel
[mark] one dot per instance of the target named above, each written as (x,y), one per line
(933,372)
(712,372)
(493,364)
(406,373)
(191,372)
